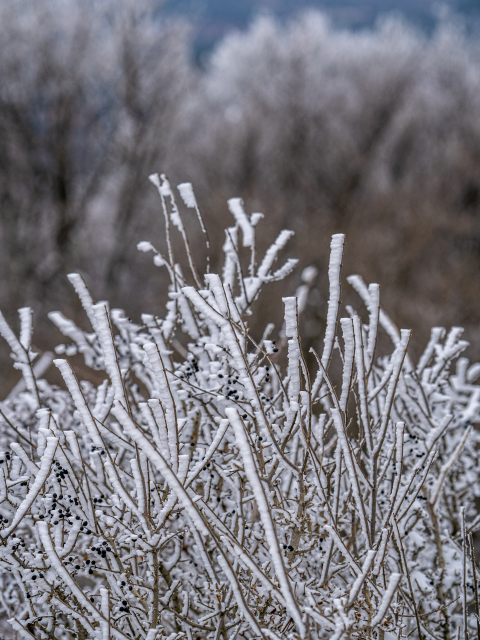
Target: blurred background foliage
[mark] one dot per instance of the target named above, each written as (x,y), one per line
(341,120)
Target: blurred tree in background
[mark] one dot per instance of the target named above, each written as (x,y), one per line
(374,133)
(89,104)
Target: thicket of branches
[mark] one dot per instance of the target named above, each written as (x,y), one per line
(213,486)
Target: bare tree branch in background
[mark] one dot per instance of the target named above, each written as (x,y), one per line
(88,99)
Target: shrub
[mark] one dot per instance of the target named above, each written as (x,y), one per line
(213,487)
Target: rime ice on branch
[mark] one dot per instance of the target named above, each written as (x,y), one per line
(213,487)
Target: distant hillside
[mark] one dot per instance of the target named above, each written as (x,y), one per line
(215,18)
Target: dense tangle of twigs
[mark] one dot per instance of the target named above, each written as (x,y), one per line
(213,487)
